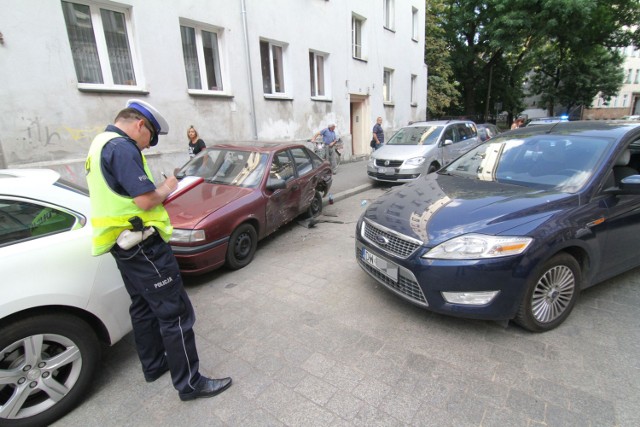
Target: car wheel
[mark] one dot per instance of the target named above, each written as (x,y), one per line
(432,168)
(551,294)
(315,208)
(46,365)
(242,246)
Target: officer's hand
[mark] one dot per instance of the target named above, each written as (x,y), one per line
(171,183)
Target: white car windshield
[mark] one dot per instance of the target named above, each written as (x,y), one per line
(416,135)
(543,161)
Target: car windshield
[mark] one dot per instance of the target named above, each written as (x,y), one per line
(416,135)
(226,166)
(540,161)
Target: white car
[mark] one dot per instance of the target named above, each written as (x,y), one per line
(58,302)
(421,148)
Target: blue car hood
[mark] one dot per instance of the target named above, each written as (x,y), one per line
(437,208)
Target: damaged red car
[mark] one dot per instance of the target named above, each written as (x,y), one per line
(249,191)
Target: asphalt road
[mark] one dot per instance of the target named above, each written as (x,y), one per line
(311,340)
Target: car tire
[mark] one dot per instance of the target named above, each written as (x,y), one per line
(432,168)
(27,346)
(242,246)
(315,208)
(551,294)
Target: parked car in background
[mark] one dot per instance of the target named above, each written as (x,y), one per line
(547,120)
(421,148)
(486,131)
(249,191)
(515,228)
(58,302)
(634,117)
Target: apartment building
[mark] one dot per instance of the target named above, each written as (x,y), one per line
(237,70)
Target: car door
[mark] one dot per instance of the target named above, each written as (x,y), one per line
(307,179)
(282,203)
(449,150)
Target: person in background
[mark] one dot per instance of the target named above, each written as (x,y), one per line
(378,134)
(517,123)
(329,138)
(124,197)
(195,144)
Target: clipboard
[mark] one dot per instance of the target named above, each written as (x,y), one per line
(184,185)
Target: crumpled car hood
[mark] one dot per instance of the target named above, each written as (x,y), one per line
(437,208)
(191,207)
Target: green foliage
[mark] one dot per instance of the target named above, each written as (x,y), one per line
(564,49)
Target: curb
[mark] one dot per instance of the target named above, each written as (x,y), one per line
(348,193)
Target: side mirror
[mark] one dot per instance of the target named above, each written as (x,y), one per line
(447,142)
(274,184)
(630,185)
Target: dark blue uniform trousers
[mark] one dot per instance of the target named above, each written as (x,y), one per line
(161,312)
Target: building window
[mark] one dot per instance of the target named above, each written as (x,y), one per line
(101,41)
(624,100)
(637,79)
(201,54)
(628,79)
(389,13)
(386,84)
(317,74)
(356,37)
(414,24)
(272,62)
(414,82)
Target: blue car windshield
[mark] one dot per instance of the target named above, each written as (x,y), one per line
(416,135)
(229,167)
(540,161)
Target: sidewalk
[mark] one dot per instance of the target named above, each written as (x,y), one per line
(351,179)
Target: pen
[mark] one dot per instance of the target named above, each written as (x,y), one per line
(163,175)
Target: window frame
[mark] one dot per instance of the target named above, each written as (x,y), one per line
(284,94)
(413,90)
(314,78)
(104,60)
(414,24)
(357,37)
(387,86)
(198,28)
(389,14)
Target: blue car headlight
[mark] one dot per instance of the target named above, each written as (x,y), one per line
(479,246)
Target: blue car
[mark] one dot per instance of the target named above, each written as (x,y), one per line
(515,228)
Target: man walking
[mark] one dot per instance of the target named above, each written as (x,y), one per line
(129,221)
(378,134)
(329,138)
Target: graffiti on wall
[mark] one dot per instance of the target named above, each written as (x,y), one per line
(38,141)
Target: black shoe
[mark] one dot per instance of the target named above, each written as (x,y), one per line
(208,387)
(152,377)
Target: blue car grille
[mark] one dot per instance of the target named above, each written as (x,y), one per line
(397,246)
(407,286)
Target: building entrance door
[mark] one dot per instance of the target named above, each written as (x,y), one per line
(360,128)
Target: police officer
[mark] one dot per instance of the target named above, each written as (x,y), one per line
(124,197)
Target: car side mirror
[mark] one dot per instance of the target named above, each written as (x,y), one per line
(447,142)
(630,185)
(274,184)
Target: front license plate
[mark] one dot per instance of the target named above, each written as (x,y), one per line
(382,170)
(384,267)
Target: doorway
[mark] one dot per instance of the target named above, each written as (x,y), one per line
(360,128)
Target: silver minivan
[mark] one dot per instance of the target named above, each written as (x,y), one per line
(421,148)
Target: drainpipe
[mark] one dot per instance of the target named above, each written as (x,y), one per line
(250,75)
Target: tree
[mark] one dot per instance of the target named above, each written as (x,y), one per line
(442,86)
(571,42)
